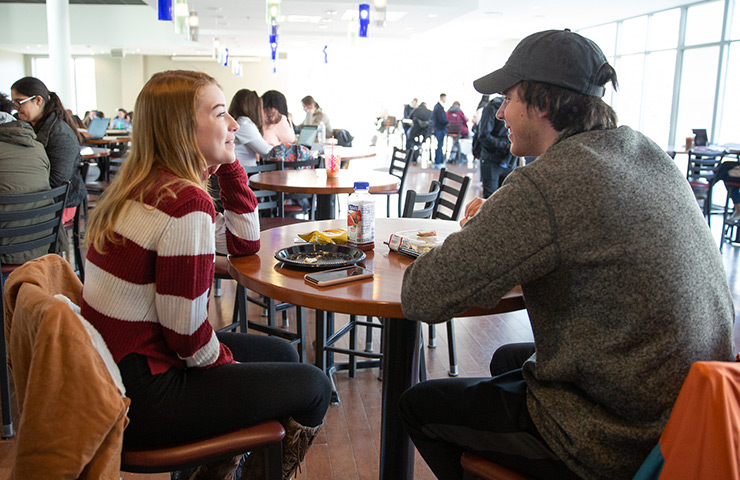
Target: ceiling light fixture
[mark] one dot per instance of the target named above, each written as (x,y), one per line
(193,23)
(182,12)
(273,12)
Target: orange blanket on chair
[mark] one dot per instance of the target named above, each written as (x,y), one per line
(702,437)
(72,414)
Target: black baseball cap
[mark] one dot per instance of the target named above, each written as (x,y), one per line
(557,57)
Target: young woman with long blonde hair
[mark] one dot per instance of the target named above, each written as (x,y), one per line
(152,241)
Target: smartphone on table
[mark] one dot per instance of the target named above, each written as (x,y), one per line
(337,275)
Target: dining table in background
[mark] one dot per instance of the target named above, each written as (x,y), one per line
(107,140)
(91,153)
(316,182)
(376,297)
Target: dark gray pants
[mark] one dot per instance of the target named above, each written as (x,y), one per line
(489,416)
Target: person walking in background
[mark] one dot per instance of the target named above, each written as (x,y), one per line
(458,122)
(57,133)
(246,108)
(408,109)
(314,114)
(151,244)
(278,127)
(421,119)
(439,120)
(491,146)
(619,314)
(24,168)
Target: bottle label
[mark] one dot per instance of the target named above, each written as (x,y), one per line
(361,222)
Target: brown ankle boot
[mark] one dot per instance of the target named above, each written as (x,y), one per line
(295,445)
(218,470)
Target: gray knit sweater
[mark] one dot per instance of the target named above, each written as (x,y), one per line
(623,283)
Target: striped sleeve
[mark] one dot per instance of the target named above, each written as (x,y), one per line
(184,273)
(238,229)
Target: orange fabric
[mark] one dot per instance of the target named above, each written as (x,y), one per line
(702,437)
(72,414)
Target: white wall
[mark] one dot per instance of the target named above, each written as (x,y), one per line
(11,69)
(359,80)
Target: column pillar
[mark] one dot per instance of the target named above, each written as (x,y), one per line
(60,52)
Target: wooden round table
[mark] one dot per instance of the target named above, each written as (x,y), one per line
(106,140)
(315,181)
(89,153)
(377,297)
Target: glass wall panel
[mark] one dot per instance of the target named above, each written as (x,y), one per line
(605,36)
(663,30)
(628,98)
(657,96)
(735,28)
(704,23)
(633,36)
(729,128)
(698,86)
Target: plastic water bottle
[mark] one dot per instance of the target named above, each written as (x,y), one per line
(321,133)
(361,217)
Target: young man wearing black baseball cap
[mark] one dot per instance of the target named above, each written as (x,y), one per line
(623,283)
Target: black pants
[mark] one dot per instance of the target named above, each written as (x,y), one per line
(492,175)
(184,405)
(489,416)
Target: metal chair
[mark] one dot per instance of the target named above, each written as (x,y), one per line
(730,231)
(40,216)
(399,167)
(702,166)
(422,205)
(448,207)
(298,207)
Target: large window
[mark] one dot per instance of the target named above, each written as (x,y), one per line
(84,76)
(661,101)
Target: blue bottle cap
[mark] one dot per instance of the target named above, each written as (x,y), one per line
(362,185)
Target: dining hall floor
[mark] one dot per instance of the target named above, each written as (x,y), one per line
(348,446)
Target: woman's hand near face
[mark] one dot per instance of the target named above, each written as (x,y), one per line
(471,209)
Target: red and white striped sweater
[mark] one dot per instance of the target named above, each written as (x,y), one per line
(148,294)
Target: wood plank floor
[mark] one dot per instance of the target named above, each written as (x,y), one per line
(348,446)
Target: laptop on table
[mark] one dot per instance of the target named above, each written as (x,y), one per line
(98,127)
(307,137)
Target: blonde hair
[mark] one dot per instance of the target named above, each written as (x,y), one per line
(163,140)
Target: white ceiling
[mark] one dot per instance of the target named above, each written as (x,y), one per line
(241,24)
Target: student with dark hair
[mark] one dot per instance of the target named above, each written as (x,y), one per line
(278,127)
(56,131)
(624,284)
(246,108)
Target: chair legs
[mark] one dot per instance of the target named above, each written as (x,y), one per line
(453,372)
